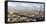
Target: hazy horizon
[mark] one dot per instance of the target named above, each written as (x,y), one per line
(25,6)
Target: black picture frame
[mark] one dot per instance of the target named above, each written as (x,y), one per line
(6,8)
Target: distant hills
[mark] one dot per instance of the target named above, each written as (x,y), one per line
(21,8)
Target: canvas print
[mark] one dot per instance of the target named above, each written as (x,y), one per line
(20,12)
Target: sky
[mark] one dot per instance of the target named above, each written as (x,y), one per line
(30,5)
